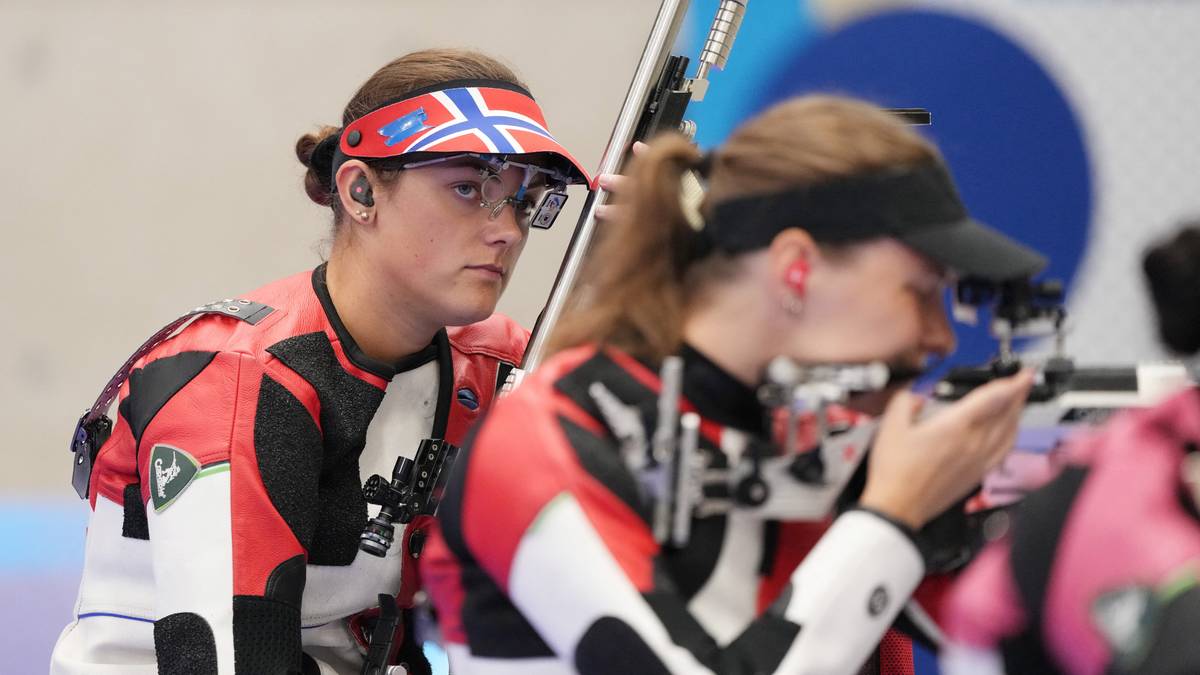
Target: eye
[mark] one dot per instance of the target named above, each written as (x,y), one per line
(524,206)
(927,293)
(466,190)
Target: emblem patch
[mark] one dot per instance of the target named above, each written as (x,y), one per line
(403,127)
(171,470)
(1125,617)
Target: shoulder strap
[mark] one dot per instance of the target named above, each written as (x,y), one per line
(94,426)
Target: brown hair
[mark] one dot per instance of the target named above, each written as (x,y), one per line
(643,274)
(405,74)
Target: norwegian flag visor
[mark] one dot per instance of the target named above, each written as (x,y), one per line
(483,117)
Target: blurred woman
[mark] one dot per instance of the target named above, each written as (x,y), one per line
(826,235)
(228,503)
(1100,572)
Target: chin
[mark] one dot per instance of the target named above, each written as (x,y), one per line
(469,313)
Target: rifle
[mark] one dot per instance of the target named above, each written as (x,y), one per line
(1065,397)
(656,101)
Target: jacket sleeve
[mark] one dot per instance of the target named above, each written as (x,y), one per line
(228,554)
(580,564)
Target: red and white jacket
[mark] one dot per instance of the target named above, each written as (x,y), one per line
(547,563)
(227,503)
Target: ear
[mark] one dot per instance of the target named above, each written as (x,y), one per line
(355,175)
(790,257)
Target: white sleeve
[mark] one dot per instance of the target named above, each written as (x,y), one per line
(568,583)
(848,591)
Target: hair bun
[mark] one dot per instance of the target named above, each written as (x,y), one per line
(315,151)
(1172,269)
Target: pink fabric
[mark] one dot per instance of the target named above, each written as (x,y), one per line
(984,606)
(1125,528)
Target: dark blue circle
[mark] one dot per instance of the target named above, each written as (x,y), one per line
(1006,129)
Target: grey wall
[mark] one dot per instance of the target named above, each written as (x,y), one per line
(146,164)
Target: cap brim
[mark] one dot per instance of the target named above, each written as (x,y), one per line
(972,249)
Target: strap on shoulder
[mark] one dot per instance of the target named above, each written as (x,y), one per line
(94,426)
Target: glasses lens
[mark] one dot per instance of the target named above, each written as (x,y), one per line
(491,189)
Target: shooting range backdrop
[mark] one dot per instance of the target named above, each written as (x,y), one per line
(1070,124)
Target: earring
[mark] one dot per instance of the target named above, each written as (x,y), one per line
(792,304)
(362,215)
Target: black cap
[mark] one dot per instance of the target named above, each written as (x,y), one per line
(917,205)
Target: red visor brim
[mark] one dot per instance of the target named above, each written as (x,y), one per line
(483,120)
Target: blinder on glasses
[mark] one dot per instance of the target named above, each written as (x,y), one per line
(533,208)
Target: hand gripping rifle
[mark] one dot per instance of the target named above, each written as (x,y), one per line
(1064,394)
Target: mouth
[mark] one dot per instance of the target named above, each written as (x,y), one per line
(492,270)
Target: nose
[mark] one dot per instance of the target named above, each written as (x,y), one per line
(938,335)
(503,230)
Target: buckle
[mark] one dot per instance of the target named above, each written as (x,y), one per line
(85,443)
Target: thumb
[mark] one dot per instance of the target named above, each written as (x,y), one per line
(997,396)
(902,410)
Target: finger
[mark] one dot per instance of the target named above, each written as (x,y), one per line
(613,182)
(639,148)
(901,411)
(994,398)
(1002,436)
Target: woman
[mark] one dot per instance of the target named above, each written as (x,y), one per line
(228,500)
(826,233)
(1099,573)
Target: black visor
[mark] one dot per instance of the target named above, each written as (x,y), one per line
(917,205)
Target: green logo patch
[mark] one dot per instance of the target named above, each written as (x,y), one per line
(171,470)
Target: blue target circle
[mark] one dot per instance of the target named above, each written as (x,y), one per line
(1008,132)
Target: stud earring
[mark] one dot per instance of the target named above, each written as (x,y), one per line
(792,304)
(362,215)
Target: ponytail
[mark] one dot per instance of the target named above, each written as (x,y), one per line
(636,277)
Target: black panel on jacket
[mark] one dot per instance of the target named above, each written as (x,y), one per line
(503,370)
(1036,530)
(690,567)
(347,406)
(1026,653)
(494,627)
(1174,649)
(350,347)
(612,646)
(719,396)
(450,509)
(286,583)
(184,645)
(759,649)
(266,636)
(135,525)
(287,445)
(152,386)
(601,459)
(764,644)
(600,368)
(683,628)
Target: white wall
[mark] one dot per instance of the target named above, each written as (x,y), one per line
(146,164)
